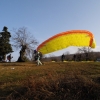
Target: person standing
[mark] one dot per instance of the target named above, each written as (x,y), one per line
(62,57)
(74,57)
(38,59)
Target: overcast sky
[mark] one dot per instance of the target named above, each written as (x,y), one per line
(45,18)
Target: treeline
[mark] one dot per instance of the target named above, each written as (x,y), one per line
(91,56)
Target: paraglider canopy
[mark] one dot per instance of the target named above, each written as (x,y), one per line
(66,39)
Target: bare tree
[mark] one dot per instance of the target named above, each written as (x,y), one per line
(87,51)
(22,39)
(84,50)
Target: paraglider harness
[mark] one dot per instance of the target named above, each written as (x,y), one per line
(37,55)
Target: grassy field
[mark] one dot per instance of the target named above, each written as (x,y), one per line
(52,81)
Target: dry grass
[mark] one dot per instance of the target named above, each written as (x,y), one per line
(52,81)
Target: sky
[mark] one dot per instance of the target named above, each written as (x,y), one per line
(46,18)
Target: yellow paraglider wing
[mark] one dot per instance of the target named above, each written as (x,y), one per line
(66,39)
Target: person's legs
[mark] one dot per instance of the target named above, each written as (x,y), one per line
(39,62)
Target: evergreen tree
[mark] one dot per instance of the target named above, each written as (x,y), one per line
(5,46)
